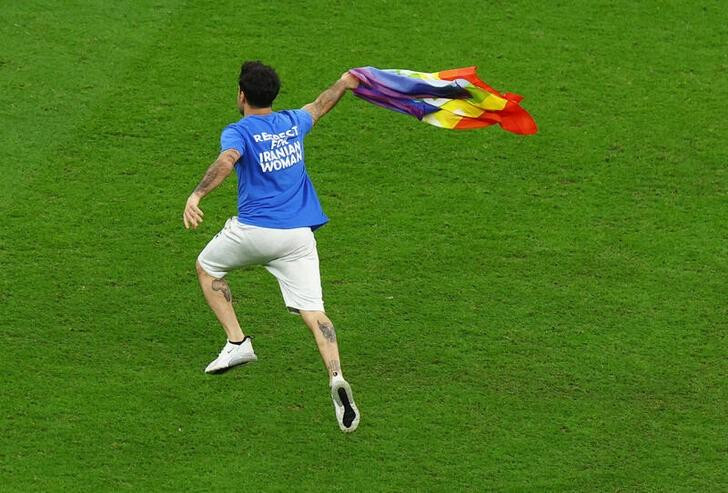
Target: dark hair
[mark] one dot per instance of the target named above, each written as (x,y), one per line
(260,84)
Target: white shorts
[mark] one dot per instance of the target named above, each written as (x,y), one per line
(289,254)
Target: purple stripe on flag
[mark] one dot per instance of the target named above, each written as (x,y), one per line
(408,106)
(401,86)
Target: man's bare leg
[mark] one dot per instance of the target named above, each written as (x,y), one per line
(218,296)
(325,335)
(347,414)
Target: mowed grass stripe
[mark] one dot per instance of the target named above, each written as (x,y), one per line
(58,64)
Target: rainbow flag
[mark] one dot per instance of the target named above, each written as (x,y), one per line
(455,99)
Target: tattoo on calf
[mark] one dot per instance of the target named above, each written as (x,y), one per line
(222,286)
(334,367)
(327,329)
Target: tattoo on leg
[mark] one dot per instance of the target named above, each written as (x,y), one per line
(334,367)
(327,329)
(222,286)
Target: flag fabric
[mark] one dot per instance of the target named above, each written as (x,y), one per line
(455,99)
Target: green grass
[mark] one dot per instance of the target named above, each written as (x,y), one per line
(540,313)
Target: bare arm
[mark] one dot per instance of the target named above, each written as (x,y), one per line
(216,174)
(331,96)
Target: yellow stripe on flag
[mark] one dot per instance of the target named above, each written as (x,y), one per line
(442,118)
(462,107)
(491,102)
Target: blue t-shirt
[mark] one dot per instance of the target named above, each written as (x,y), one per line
(274,190)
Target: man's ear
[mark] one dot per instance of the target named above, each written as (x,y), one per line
(241,97)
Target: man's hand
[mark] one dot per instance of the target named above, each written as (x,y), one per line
(350,81)
(192,216)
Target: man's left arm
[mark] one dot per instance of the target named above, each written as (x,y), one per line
(331,96)
(216,174)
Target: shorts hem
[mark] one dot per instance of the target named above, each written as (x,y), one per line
(210,272)
(297,311)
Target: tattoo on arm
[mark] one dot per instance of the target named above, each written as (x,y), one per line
(204,186)
(217,172)
(326,100)
(334,367)
(222,286)
(327,329)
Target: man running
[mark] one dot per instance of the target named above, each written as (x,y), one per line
(278,210)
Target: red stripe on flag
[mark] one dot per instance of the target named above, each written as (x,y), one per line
(469,74)
(512,118)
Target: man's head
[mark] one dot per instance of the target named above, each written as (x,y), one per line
(259,85)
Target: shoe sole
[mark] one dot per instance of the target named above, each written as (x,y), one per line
(350,420)
(234,364)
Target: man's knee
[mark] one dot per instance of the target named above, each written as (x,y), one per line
(312,313)
(312,317)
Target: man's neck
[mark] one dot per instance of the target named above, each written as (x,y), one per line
(250,111)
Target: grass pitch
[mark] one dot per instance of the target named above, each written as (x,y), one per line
(542,313)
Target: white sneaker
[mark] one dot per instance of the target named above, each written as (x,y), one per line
(347,414)
(232,355)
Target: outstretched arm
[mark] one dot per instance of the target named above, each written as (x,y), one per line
(331,96)
(216,174)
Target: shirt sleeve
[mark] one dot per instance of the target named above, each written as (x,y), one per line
(231,139)
(305,121)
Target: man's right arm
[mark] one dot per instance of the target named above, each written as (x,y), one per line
(216,174)
(331,96)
